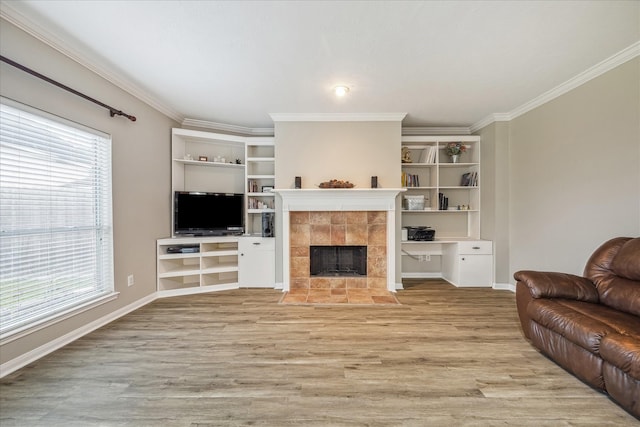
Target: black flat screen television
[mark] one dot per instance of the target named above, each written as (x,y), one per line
(207,214)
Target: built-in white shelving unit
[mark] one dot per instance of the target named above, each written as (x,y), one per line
(457,254)
(213,266)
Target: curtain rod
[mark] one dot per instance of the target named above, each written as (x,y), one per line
(112,111)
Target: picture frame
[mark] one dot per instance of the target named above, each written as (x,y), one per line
(267,188)
(203,158)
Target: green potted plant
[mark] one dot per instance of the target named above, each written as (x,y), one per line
(454,149)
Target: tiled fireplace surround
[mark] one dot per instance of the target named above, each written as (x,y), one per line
(339,217)
(363,228)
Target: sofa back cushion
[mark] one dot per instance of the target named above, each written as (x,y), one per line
(615,269)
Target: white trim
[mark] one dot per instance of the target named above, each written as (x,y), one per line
(591,73)
(491,118)
(337,117)
(30,328)
(582,78)
(417,130)
(422,275)
(51,346)
(197,290)
(30,27)
(228,128)
(399,286)
(504,287)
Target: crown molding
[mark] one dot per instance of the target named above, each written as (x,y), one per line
(491,118)
(436,130)
(10,14)
(591,73)
(337,117)
(597,70)
(222,127)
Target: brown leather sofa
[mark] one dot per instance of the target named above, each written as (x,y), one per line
(590,325)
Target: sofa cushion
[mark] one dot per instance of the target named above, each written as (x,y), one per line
(626,263)
(623,352)
(582,323)
(620,294)
(615,270)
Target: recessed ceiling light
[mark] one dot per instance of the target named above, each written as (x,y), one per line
(341,90)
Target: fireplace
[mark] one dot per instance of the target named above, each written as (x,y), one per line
(341,261)
(339,218)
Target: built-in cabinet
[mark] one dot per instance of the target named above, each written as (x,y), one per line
(197,264)
(221,163)
(443,193)
(429,172)
(260,181)
(468,263)
(256,262)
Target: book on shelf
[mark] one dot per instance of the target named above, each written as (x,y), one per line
(428,155)
(410,180)
(469,179)
(443,202)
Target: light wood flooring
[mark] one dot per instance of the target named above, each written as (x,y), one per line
(444,357)
(339,296)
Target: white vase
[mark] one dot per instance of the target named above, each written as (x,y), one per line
(454,158)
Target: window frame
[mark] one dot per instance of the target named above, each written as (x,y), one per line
(103,226)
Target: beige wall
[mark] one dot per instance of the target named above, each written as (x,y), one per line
(569,173)
(352,151)
(495,196)
(141,167)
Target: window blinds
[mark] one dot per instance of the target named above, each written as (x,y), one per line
(55,217)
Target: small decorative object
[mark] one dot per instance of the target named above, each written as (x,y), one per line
(298,183)
(406,155)
(267,188)
(374,182)
(335,183)
(188,157)
(238,162)
(203,158)
(454,149)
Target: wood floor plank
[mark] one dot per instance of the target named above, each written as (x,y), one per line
(444,357)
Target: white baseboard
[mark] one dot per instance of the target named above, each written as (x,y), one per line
(422,275)
(37,353)
(504,287)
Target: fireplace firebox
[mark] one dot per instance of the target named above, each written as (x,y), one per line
(347,261)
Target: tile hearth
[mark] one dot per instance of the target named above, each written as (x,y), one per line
(353,296)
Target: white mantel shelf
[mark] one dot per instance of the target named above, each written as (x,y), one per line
(339,199)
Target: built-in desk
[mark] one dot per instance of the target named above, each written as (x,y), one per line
(464,262)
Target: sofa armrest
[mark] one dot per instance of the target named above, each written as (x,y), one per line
(557,285)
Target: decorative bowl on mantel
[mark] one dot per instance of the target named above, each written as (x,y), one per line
(335,183)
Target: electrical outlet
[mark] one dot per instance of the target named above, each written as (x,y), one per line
(130,280)
(425,257)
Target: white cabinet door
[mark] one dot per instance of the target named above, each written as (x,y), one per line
(256,262)
(475,270)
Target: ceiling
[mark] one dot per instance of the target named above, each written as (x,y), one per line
(445,63)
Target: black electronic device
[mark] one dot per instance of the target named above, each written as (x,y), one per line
(194,249)
(267,224)
(425,234)
(207,214)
